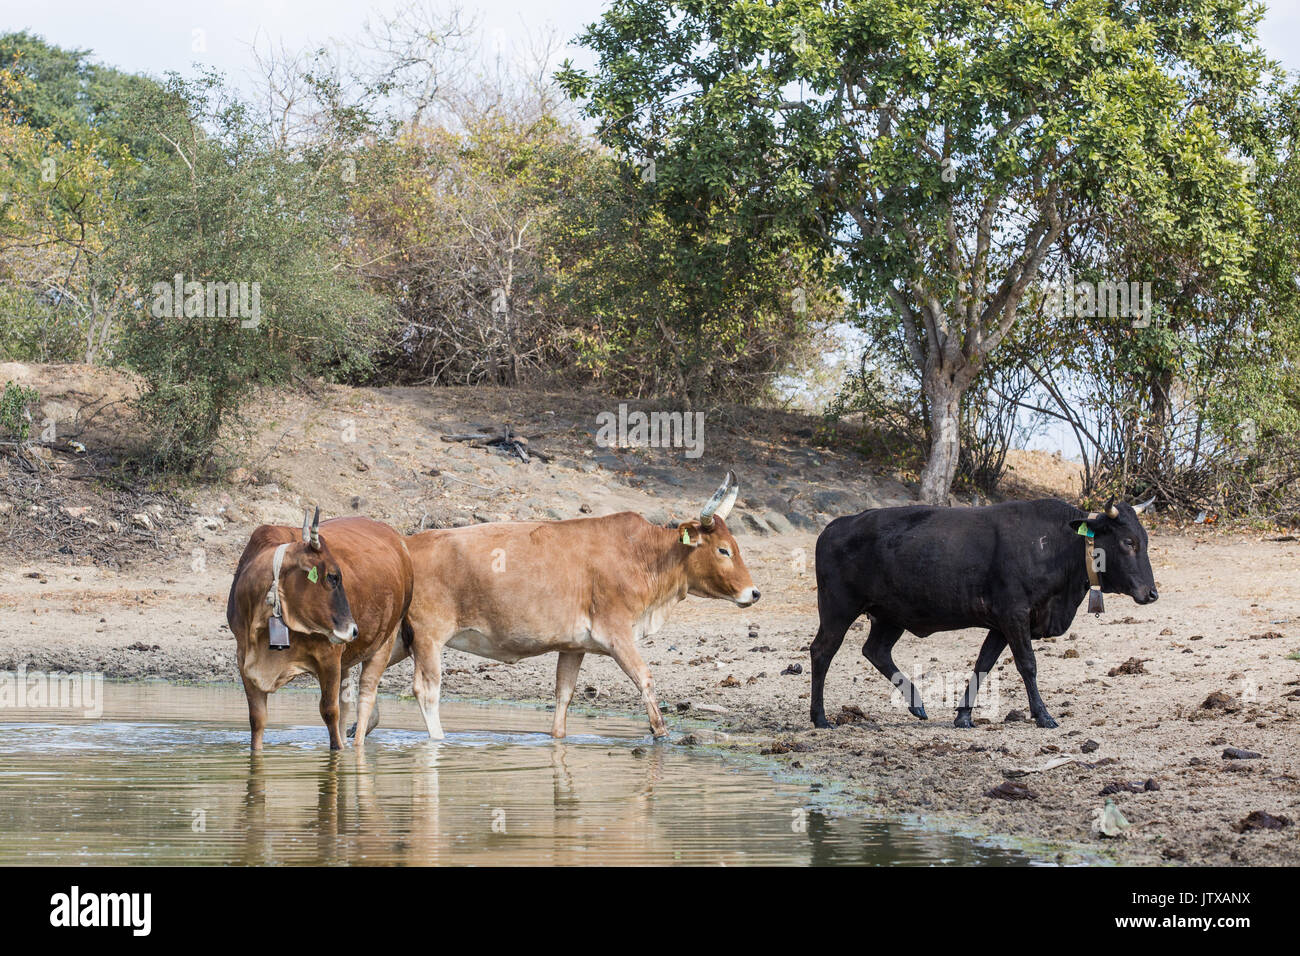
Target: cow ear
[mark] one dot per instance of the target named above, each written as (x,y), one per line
(1084,527)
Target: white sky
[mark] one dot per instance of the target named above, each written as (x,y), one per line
(157,35)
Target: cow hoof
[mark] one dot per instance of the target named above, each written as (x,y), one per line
(919,712)
(821,723)
(1046,722)
(963,720)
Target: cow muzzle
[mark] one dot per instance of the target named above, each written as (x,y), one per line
(748,596)
(1147,595)
(344,635)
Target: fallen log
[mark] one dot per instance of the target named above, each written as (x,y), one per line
(504,437)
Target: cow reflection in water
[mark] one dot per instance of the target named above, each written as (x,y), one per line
(342,811)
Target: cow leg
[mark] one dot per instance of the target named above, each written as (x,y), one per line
(350,696)
(878,650)
(348,692)
(566,678)
(331,681)
(830,635)
(256,715)
(626,655)
(993,646)
(367,711)
(1023,651)
(428,685)
(400,652)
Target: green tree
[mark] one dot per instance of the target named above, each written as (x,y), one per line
(218,207)
(944,148)
(672,299)
(64,165)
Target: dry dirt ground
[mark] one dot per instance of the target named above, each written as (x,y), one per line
(1148,698)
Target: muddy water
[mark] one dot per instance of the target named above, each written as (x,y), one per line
(165,777)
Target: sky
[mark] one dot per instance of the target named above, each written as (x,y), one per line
(159,35)
(156,36)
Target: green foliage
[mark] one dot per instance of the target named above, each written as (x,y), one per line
(65,161)
(215,204)
(15,412)
(33,330)
(693,306)
(516,250)
(65,93)
(945,150)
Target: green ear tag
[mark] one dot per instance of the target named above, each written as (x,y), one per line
(686,536)
(1086,531)
(313,576)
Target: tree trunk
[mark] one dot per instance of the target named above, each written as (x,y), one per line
(943,392)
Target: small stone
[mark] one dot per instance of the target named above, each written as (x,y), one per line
(1009,790)
(1236,753)
(1120,786)
(1131,666)
(1090,746)
(1262,820)
(850,713)
(1109,822)
(778,522)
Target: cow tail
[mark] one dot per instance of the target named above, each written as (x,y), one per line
(408,634)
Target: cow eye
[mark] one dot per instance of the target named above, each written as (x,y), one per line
(725,552)
(336,579)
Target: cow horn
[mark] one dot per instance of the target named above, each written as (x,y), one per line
(306,526)
(722,501)
(315,531)
(1145,505)
(1111,510)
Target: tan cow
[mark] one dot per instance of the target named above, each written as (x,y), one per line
(341,590)
(518,589)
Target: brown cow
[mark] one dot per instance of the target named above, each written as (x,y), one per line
(343,592)
(518,589)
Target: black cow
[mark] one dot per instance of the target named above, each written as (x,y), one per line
(1017,568)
